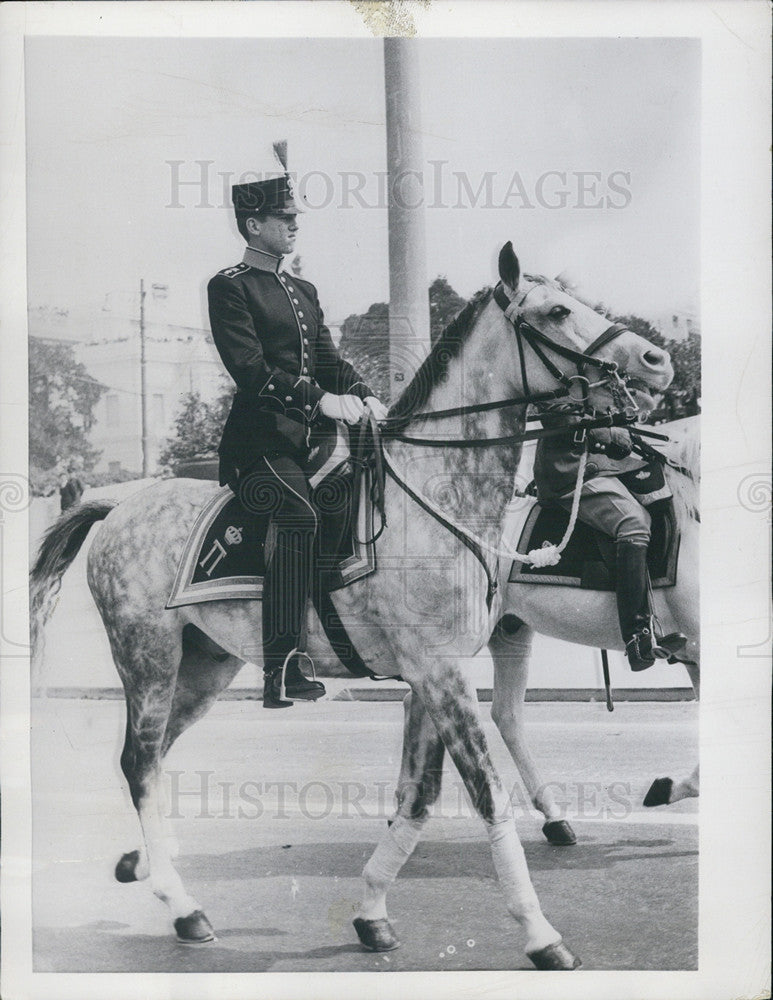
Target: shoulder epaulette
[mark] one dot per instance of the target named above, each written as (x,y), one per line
(231,272)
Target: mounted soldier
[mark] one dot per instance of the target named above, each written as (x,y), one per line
(605,504)
(270,332)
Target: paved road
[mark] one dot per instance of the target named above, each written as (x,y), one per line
(276,868)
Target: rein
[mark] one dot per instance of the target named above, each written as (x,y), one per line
(393,426)
(371,433)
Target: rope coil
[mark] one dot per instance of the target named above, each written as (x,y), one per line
(550,555)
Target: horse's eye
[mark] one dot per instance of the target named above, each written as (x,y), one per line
(558,312)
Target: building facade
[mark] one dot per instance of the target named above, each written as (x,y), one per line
(178,360)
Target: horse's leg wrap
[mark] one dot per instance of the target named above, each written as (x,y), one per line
(513,874)
(395,847)
(164,879)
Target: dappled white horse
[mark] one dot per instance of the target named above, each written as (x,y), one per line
(429,604)
(589,618)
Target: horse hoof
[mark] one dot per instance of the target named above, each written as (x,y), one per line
(559,833)
(554,958)
(126,869)
(194,929)
(659,793)
(376,935)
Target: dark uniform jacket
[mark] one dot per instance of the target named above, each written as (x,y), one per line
(557,459)
(270,332)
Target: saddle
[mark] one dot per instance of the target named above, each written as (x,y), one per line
(229,545)
(588,561)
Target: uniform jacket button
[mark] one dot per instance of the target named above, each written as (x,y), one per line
(307,407)
(300,314)
(288,399)
(271,386)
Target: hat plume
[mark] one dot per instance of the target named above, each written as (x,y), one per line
(280,148)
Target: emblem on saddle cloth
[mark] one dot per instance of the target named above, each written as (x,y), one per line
(223,557)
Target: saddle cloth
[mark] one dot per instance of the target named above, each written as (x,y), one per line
(224,557)
(588,561)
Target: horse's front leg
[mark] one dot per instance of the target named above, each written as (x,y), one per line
(452,705)
(666,791)
(510,648)
(418,788)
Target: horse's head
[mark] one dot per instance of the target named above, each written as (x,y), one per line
(564,322)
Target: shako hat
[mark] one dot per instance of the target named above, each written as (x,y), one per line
(272,194)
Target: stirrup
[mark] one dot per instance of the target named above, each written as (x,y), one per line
(282,687)
(666,646)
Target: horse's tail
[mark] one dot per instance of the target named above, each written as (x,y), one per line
(60,545)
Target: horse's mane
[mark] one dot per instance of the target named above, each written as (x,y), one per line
(444,350)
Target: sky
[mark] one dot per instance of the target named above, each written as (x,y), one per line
(108,119)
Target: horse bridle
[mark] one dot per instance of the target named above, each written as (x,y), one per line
(536,340)
(392,427)
(526,334)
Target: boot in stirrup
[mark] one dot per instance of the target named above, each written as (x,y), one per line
(282,686)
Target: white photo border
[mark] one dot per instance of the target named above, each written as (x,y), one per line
(736,325)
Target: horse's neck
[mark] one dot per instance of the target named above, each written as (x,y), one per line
(474,485)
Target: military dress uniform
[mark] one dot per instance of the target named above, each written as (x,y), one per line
(270,332)
(608,505)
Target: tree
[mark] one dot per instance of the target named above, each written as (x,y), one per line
(198,428)
(365,337)
(365,344)
(444,305)
(62,397)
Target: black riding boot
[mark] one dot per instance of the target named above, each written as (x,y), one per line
(285,593)
(633,604)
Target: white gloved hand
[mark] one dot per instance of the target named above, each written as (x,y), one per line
(347,408)
(377,408)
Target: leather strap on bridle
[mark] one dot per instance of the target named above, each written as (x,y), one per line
(368,458)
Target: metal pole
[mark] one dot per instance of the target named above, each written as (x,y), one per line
(409,339)
(607,682)
(143,385)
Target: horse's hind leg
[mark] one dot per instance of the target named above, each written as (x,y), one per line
(148,668)
(205,671)
(421,774)
(510,648)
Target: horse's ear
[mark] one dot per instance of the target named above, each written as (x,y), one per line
(509,268)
